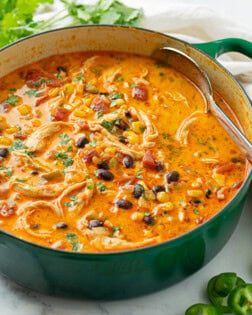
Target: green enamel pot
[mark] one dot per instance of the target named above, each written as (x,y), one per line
(133,272)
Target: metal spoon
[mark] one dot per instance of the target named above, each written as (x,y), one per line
(191,69)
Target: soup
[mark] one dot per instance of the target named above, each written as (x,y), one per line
(105,151)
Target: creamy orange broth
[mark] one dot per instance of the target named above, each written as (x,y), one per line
(109,151)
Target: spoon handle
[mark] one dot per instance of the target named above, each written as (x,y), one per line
(240,139)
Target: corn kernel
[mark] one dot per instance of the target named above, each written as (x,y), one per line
(80,113)
(118,102)
(88,100)
(5,141)
(96,160)
(80,88)
(111,150)
(195,184)
(36,123)
(68,89)
(77,103)
(137,216)
(220,179)
(131,137)
(149,195)
(11,130)
(168,206)
(162,196)
(136,126)
(24,109)
(195,193)
(53,92)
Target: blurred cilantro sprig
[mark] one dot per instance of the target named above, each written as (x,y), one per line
(17,16)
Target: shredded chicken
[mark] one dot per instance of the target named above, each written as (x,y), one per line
(37,141)
(40,191)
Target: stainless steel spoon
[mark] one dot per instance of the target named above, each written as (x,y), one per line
(191,69)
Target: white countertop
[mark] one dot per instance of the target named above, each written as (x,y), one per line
(236,255)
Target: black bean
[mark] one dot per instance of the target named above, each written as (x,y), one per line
(123,139)
(34,172)
(103,165)
(121,124)
(149,220)
(159,166)
(4,152)
(138,191)
(95,224)
(196,202)
(124,204)
(172,177)
(128,161)
(208,193)
(82,142)
(127,113)
(158,189)
(237,160)
(62,69)
(104,174)
(35,226)
(61,226)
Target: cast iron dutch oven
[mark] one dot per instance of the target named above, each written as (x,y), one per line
(140,271)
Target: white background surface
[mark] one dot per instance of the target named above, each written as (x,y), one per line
(236,256)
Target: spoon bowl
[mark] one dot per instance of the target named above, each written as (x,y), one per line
(191,69)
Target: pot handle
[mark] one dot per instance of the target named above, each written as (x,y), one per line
(219,47)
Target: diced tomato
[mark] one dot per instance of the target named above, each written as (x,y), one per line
(54,82)
(83,124)
(61,113)
(41,100)
(4,107)
(33,78)
(99,104)
(59,245)
(20,136)
(148,161)
(237,185)
(89,155)
(126,179)
(225,168)
(8,210)
(140,93)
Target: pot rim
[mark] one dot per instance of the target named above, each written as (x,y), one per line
(181,237)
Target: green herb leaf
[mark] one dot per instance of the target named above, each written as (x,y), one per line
(71,236)
(139,174)
(107,125)
(196,211)
(101,187)
(33,93)
(68,162)
(61,155)
(21,180)
(64,138)
(76,246)
(12,99)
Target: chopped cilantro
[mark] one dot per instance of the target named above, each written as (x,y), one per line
(196,211)
(93,143)
(17,145)
(115,230)
(61,155)
(76,246)
(116,96)
(68,162)
(21,180)
(120,79)
(12,99)
(33,93)
(71,236)
(107,125)
(100,114)
(139,174)
(101,187)
(133,86)
(64,138)
(70,148)
(68,204)
(142,129)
